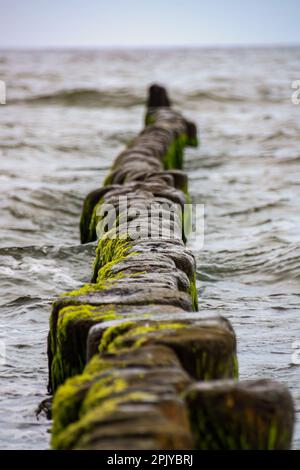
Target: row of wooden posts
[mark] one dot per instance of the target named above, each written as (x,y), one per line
(133,362)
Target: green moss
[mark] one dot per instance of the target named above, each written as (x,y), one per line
(88,215)
(97,364)
(94,220)
(68,342)
(209,435)
(149,119)
(113,332)
(185,189)
(209,366)
(273,432)
(101,390)
(81,312)
(187,218)
(77,433)
(86,399)
(192,142)
(59,371)
(142,332)
(103,277)
(109,252)
(88,289)
(235,362)
(69,396)
(111,249)
(105,274)
(193,292)
(113,339)
(174,156)
(218,427)
(67,401)
(100,285)
(107,179)
(86,212)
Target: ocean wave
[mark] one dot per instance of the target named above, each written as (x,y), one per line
(291,160)
(84,97)
(119,98)
(256,208)
(60,251)
(23,300)
(18,145)
(211,96)
(268,264)
(281,135)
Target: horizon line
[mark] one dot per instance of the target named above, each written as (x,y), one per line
(150,46)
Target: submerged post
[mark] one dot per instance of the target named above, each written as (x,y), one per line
(128,350)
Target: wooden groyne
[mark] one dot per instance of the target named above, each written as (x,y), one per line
(132,363)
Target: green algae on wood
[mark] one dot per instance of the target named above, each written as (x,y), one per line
(134,414)
(111,249)
(172,159)
(107,384)
(87,225)
(250,415)
(115,336)
(67,341)
(206,352)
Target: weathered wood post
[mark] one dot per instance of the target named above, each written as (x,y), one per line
(128,352)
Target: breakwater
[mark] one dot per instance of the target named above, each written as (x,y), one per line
(131,363)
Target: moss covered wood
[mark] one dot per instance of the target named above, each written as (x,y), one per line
(126,349)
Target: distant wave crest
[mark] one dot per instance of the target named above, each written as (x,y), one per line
(86,98)
(210,96)
(123,97)
(259,96)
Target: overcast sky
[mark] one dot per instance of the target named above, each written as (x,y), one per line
(99,23)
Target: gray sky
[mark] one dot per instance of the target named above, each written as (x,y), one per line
(99,23)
